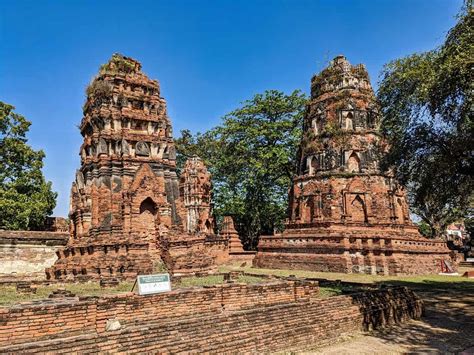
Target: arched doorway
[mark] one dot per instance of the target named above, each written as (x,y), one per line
(350,121)
(358,210)
(147,218)
(314,166)
(208,226)
(309,210)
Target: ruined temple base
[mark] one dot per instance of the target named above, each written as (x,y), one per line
(394,265)
(124,261)
(353,250)
(97,261)
(194,254)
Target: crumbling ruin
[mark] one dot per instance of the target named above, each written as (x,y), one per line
(345,214)
(127,214)
(274,316)
(229,231)
(195,188)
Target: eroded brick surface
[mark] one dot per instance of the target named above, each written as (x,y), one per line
(127,214)
(346,215)
(26,254)
(195,189)
(280,315)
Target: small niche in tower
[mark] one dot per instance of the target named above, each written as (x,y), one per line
(353,163)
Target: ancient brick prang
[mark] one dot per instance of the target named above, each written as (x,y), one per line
(229,232)
(345,214)
(125,198)
(128,162)
(195,188)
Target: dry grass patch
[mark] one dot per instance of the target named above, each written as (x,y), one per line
(9,295)
(415,281)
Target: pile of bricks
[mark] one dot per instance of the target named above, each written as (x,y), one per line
(25,287)
(61,293)
(109,282)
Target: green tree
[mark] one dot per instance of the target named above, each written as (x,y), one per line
(25,197)
(424,229)
(204,145)
(427,105)
(252,160)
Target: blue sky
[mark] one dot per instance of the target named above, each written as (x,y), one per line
(207,55)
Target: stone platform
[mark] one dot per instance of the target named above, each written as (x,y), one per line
(360,251)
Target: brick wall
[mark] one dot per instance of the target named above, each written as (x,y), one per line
(235,317)
(26,254)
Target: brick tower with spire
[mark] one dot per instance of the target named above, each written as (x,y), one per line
(345,214)
(126,212)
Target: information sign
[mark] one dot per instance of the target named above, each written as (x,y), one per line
(149,284)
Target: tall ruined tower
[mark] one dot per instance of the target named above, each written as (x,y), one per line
(128,175)
(345,214)
(126,212)
(339,156)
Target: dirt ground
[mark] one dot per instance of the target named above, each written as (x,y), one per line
(447,327)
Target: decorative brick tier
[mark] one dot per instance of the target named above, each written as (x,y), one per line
(360,253)
(345,213)
(279,316)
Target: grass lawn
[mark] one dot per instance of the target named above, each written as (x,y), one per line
(415,281)
(214,280)
(9,295)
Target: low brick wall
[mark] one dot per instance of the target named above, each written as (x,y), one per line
(26,254)
(242,256)
(228,318)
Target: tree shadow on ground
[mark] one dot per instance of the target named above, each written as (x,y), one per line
(447,324)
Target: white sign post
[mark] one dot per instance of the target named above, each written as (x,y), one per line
(149,284)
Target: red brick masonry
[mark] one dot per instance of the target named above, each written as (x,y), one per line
(129,208)
(276,316)
(33,237)
(345,213)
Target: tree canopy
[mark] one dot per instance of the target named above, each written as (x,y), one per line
(25,196)
(251,157)
(427,105)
